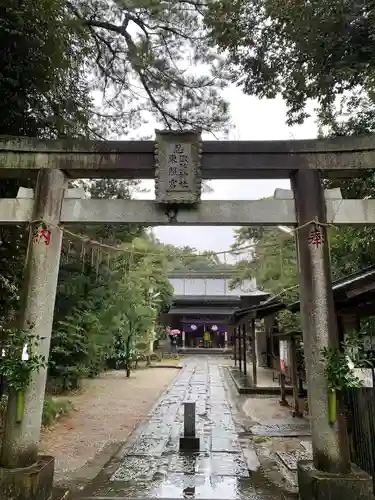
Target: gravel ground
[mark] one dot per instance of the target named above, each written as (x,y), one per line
(106,411)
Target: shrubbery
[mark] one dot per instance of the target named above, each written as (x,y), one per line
(107,318)
(53,408)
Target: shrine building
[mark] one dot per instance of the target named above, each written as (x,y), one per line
(204,302)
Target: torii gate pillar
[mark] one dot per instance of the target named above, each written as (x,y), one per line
(23,474)
(325,477)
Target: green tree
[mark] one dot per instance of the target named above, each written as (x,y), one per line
(318,51)
(142,52)
(44,94)
(43,88)
(110,189)
(140,292)
(274,266)
(104,315)
(185,259)
(359,243)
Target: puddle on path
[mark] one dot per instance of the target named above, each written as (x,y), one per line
(151,466)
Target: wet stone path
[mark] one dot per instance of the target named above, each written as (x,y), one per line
(151,466)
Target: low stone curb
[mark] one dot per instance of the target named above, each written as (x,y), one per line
(176,367)
(60,493)
(248,389)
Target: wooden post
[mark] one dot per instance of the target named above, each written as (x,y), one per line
(21,440)
(239,348)
(244,349)
(318,318)
(183,334)
(234,343)
(294,373)
(283,401)
(254,354)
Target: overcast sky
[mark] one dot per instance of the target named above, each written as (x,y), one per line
(254,119)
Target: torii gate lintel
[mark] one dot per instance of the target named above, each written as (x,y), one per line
(339,157)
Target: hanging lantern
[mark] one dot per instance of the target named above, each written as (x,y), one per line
(214,328)
(193,327)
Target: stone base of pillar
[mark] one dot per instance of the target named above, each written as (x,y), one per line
(189,444)
(317,485)
(31,483)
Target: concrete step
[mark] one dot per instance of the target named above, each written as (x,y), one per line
(205,352)
(251,496)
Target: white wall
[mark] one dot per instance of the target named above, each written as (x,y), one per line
(211,286)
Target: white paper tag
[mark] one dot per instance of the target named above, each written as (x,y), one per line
(365,376)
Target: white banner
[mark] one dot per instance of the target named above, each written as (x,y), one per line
(284,355)
(365,376)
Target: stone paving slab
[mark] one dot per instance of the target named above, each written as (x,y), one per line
(224,444)
(152,466)
(203,487)
(159,428)
(223,464)
(186,464)
(280,430)
(290,459)
(148,446)
(138,468)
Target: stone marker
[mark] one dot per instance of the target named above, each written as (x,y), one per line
(189,441)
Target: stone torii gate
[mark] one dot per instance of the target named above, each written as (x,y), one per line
(178,162)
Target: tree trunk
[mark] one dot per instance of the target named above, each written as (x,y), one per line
(127,356)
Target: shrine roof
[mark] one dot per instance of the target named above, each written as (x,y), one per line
(352,291)
(219,299)
(203,311)
(259,311)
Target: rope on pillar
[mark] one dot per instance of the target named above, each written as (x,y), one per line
(244,349)
(234,341)
(239,348)
(254,353)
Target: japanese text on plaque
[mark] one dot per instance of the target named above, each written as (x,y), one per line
(178,167)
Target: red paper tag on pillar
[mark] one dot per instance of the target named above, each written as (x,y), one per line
(43,235)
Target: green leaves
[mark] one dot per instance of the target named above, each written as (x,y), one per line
(338,374)
(273,261)
(102,317)
(43,91)
(13,368)
(143,56)
(316,51)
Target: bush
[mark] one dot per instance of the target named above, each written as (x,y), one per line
(67,356)
(3,407)
(54,408)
